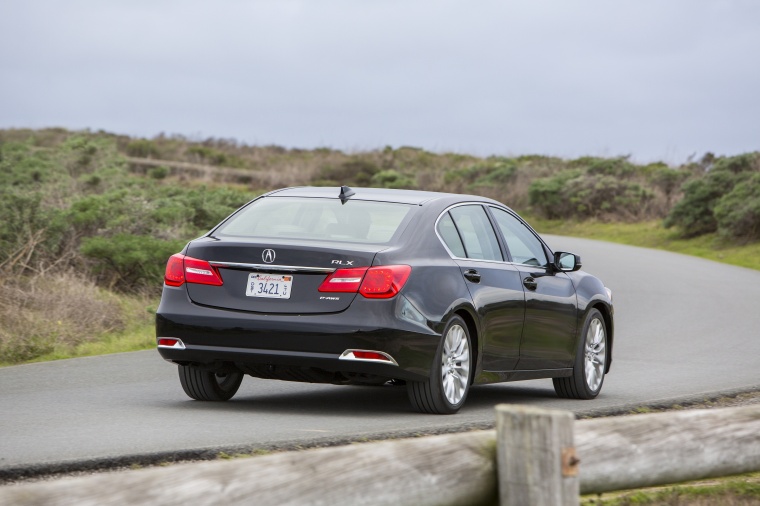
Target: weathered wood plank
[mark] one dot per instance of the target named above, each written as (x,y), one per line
(453,469)
(616,453)
(665,448)
(530,444)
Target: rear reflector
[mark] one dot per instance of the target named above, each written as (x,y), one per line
(380,282)
(184,269)
(368,356)
(171,342)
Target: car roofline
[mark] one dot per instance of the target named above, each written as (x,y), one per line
(414,197)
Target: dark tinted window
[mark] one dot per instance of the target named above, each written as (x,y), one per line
(523,245)
(450,236)
(477,233)
(317,218)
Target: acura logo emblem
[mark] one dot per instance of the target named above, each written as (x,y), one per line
(268,256)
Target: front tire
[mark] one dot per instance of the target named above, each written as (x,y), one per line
(203,385)
(446,390)
(590,361)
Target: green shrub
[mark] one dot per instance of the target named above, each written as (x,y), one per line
(490,173)
(215,156)
(127,261)
(738,213)
(695,214)
(573,194)
(143,148)
(620,167)
(31,232)
(351,173)
(22,166)
(391,179)
(548,195)
(159,172)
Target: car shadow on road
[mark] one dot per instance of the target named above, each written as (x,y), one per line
(360,401)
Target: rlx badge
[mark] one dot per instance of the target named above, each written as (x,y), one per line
(343,262)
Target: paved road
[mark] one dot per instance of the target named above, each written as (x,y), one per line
(685,327)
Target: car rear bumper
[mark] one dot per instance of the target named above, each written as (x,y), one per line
(258,343)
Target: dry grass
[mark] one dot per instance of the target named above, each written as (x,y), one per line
(42,313)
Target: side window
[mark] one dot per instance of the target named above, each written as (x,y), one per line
(478,236)
(523,245)
(450,236)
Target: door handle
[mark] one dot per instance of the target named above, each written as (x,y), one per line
(530,283)
(472,275)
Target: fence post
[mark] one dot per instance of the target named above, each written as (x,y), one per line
(536,456)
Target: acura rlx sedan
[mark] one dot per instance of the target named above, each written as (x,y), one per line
(365,286)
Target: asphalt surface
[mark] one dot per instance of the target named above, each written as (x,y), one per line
(686,329)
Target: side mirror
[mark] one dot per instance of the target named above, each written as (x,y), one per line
(567,262)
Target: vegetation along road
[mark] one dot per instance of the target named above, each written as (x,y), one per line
(88,219)
(686,328)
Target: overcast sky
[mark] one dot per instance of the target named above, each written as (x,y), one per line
(655,79)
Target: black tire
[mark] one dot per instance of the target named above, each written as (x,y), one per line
(451,368)
(590,360)
(203,385)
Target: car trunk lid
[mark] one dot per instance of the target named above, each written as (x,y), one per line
(276,277)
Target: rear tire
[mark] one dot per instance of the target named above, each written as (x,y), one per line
(446,390)
(590,361)
(203,385)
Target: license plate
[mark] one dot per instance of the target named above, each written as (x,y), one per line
(272,286)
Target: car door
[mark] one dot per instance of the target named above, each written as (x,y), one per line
(495,285)
(548,338)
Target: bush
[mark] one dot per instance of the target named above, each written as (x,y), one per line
(159,172)
(738,213)
(573,195)
(351,173)
(143,148)
(695,214)
(548,196)
(493,173)
(391,179)
(31,233)
(127,261)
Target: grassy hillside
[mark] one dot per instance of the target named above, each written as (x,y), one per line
(88,219)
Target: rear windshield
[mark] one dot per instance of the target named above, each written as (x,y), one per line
(317,218)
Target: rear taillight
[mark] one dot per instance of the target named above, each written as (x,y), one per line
(381,282)
(183,269)
(384,282)
(175,271)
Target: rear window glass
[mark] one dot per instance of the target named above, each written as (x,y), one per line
(315,218)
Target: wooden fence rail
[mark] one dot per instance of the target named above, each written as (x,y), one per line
(538,463)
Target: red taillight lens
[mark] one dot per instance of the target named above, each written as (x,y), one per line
(382,282)
(385,281)
(181,269)
(344,280)
(175,271)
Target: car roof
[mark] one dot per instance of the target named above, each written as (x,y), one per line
(414,197)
